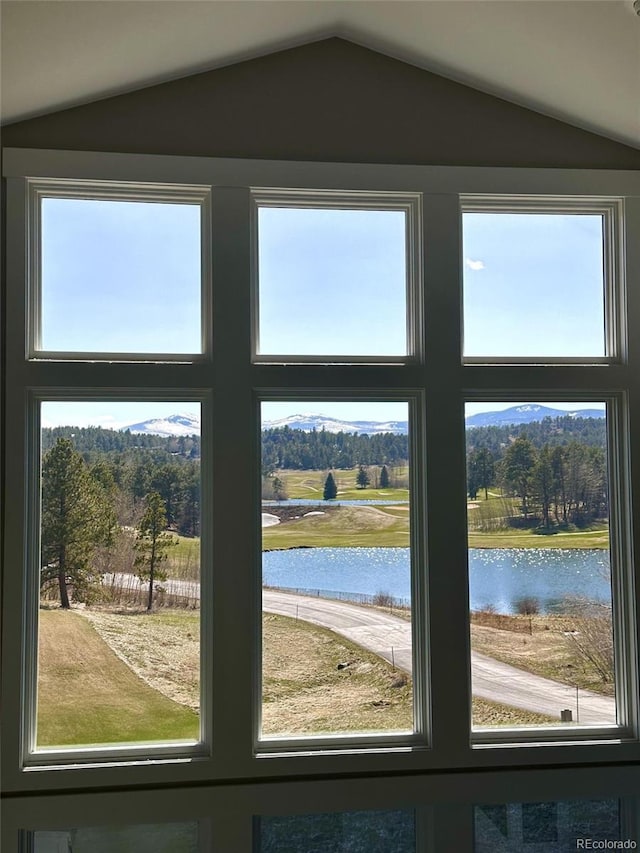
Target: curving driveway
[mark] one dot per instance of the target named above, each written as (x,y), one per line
(380,632)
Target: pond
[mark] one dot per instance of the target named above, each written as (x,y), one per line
(498,577)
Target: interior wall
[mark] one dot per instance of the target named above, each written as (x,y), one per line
(330,100)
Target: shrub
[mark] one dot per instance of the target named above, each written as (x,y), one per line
(528,605)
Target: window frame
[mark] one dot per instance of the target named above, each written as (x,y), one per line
(409,203)
(439,373)
(265,745)
(614,302)
(38,757)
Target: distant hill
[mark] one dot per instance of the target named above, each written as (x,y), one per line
(528,413)
(182,424)
(308,422)
(174,425)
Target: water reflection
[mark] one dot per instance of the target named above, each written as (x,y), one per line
(338,832)
(141,838)
(547,827)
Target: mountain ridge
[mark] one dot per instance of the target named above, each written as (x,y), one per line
(185,424)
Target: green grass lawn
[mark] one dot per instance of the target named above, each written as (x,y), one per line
(88,696)
(343,526)
(595,537)
(309,485)
(389,527)
(183,559)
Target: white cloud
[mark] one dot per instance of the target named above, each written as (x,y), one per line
(473,265)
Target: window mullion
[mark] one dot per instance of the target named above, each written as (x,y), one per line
(630,268)
(445,480)
(234,460)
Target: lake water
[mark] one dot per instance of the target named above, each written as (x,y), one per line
(498,577)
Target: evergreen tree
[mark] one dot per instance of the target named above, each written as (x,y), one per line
(330,488)
(384,478)
(152,543)
(76,518)
(279,490)
(362,478)
(480,471)
(543,483)
(517,468)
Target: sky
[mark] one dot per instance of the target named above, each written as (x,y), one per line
(125,277)
(120,276)
(114,415)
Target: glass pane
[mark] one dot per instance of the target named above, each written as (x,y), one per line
(533,285)
(339,832)
(120,276)
(142,838)
(539,564)
(119,649)
(332,282)
(553,827)
(336,568)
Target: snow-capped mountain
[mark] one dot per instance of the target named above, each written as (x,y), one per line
(174,425)
(526,414)
(181,424)
(307,422)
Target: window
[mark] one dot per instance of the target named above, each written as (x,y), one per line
(538,280)
(298,385)
(117,270)
(336,275)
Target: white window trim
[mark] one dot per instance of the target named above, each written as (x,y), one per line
(443,377)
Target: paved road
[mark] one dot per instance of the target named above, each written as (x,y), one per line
(379,632)
(390,638)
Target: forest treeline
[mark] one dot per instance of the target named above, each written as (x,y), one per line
(132,466)
(320,450)
(556,467)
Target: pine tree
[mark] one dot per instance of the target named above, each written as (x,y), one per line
(384,478)
(480,471)
(76,518)
(330,488)
(152,543)
(362,478)
(517,469)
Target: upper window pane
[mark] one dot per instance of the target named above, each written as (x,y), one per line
(332,282)
(119,276)
(533,285)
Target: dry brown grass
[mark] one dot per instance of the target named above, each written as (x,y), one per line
(305,692)
(490,714)
(548,651)
(162,648)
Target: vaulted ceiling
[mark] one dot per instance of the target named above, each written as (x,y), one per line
(576,60)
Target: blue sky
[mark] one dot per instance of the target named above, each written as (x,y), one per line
(533,284)
(332,281)
(125,276)
(120,276)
